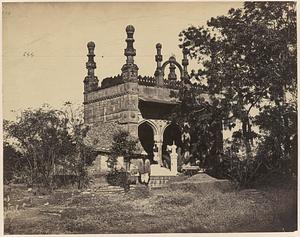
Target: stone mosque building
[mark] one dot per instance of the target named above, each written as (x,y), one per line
(140,105)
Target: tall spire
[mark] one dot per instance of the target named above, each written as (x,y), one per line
(90,81)
(185,63)
(129,69)
(129,52)
(158,72)
(172,75)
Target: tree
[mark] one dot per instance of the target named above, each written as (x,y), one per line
(50,139)
(13,163)
(278,148)
(205,120)
(125,146)
(82,155)
(42,137)
(248,63)
(122,145)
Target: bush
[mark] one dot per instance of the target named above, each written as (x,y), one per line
(124,145)
(118,178)
(64,180)
(264,162)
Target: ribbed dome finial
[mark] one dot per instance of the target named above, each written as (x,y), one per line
(90,81)
(129,69)
(91,44)
(130,29)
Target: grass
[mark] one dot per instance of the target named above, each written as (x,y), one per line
(161,210)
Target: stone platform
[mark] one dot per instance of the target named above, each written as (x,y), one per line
(160,176)
(157,170)
(202,183)
(159,181)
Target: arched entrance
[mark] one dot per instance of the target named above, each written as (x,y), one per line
(171,134)
(146,137)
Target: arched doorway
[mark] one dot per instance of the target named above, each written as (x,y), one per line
(171,134)
(146,137)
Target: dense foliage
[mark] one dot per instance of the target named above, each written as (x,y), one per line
(248,70)
(122,145)
(50,143)
(12,163)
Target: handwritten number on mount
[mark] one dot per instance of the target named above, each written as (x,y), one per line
(28,54)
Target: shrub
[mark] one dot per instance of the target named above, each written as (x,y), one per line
(122,145)
(118,178)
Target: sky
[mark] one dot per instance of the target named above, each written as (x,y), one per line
(44,44)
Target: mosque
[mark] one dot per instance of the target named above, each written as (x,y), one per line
(140,105)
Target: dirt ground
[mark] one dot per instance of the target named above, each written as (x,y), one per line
(164,210)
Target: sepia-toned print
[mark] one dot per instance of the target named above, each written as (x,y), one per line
(170,117)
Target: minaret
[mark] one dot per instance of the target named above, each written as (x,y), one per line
(172,75)
(129,69)
(185,63)
(158,72)
(90,81)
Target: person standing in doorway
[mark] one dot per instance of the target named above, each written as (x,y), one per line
(144,171)
(147,173)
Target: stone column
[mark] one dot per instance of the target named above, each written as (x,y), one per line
(90,81)
(185,63)
(158,72)
(130,69)
(158,143)
(155,152)
(174,164)
(173,156)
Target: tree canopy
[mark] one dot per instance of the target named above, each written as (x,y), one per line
(248,69)
(49,139)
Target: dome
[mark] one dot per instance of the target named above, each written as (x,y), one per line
(130,29)
(158,45)
(172,59)
(91,44)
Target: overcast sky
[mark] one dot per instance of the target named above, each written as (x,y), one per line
(54,38)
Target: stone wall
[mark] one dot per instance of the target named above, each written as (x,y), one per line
(159,94)
(120,103)
(115,104)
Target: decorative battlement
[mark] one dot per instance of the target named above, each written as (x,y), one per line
(129,71)
(143,81)
(147,81)
(173,84)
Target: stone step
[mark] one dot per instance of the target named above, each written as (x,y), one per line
(113,193)
(159,181)
(110,189)
(114,189)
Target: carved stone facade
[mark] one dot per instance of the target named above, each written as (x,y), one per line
(141,105)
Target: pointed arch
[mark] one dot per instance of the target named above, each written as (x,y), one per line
(151,124)
(146,132)
(174,132)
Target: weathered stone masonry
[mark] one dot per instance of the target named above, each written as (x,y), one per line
(130,101)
